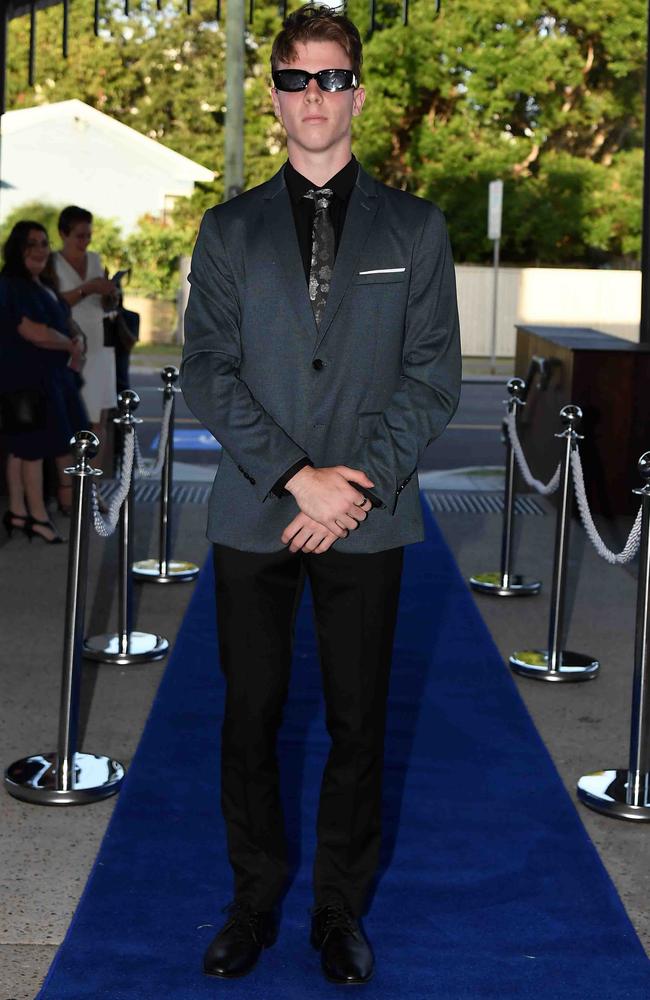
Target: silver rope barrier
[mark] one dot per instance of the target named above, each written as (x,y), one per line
(625,793)
(164,569)
(544,488)
(555,663)
(69,777)
(106,524)
(631,546)
(142,470)
(126,646)
(506,583)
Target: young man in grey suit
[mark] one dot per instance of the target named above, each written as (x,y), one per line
(322,351)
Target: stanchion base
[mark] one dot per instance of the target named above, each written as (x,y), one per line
(142,647)
(148,571)
(492,583)
(571,666)
(606,792)
(34,779)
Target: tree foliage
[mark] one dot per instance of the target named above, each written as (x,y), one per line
(547,96)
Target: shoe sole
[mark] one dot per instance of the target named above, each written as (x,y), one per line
(229,975)
(348,982)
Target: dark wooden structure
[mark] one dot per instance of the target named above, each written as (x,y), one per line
(609,378)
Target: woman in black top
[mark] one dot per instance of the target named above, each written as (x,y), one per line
(39,355)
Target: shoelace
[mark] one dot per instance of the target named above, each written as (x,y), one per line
(337,917)
(245,922)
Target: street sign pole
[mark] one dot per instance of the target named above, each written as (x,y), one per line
(495,209)
(234,124)
(644,328)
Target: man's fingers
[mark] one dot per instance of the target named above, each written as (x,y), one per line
(316,541)
(327,543)
(300,539)
(292,528)
(356,475)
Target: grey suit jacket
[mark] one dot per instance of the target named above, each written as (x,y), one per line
(370,389)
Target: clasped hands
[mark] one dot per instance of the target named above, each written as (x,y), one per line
(330,507)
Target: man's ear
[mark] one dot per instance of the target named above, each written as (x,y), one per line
(358,101)
(276,103)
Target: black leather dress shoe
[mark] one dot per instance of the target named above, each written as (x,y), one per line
(238,945)
(345,952)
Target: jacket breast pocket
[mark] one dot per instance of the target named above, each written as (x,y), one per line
(380,277)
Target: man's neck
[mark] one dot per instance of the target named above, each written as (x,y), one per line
(319,167)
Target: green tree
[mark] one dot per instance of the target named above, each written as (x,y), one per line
(547,96)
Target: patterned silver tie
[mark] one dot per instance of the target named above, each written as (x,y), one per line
(323,247)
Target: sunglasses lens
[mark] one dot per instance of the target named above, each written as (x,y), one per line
(335,79)
(290,79)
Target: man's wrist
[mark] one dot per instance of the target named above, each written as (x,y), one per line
(299,477)
(279,488)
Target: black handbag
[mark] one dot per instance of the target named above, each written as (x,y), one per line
(22,410)
(117,332)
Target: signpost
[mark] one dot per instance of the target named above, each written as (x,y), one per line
(495,208)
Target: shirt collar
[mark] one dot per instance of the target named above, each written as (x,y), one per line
(341,183)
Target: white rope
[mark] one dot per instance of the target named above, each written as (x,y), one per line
(544,488)
(145,470)
(634,538)
(105,524)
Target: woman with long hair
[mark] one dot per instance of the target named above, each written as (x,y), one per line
(84,286)
(39,359)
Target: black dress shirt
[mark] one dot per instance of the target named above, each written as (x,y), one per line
(342,184)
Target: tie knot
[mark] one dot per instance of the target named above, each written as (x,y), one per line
(320,196)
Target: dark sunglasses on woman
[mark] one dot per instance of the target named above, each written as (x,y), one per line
(330,80)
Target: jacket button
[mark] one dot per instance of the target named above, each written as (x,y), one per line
(317,363)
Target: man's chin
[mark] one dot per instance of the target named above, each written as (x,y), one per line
(318,144)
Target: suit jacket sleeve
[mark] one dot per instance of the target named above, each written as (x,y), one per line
(427,396)
(210,376)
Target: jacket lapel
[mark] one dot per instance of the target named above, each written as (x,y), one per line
(362,209)
(280,225)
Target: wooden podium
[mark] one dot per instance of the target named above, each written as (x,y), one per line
(609,379)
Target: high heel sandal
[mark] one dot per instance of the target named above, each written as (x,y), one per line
(8,519)
(29,531)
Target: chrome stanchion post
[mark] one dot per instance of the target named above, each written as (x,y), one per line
(165,569)
(126,645)
(506,583)
(625,794)
(555,663)
(68,777)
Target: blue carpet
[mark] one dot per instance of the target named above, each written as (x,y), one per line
(489,886)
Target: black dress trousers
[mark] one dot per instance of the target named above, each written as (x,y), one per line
(355,604)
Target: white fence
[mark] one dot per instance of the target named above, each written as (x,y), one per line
(609,301)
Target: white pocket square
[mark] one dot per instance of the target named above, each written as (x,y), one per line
(385,270)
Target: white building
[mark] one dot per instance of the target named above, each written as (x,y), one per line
(69,153)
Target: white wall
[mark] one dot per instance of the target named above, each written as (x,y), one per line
(606,300)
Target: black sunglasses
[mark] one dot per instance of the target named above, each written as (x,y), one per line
(331,80)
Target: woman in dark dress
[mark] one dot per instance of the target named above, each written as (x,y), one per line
(37,353)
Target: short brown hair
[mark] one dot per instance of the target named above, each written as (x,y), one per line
(317,23)
(72,216)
